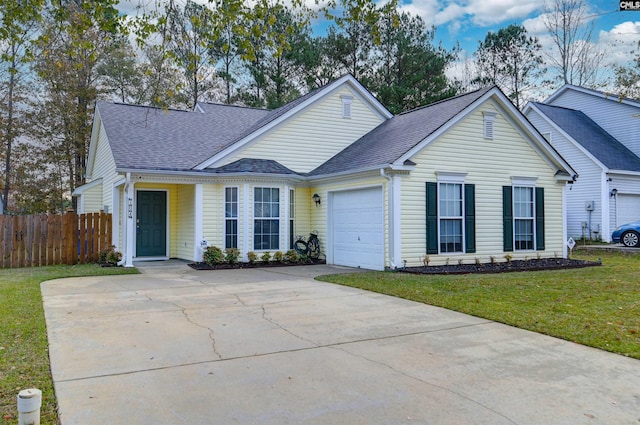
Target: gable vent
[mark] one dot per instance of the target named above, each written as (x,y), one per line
(489,118)
(346,106)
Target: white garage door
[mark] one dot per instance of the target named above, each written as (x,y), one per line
(358,228)
(628,208)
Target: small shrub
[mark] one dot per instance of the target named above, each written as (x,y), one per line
(252,257)
(460,262)
(278,257)
(492,259)
(213,256)
(114,257)
(291,256)
(477,261)
(508,257)
(425,260)
(109,256)
(446,263)
(231,255)
(266,257)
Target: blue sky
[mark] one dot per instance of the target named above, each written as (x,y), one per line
(468,21)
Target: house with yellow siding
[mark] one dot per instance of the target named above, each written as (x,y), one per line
(467,179)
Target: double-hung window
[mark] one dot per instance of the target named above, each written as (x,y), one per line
(450,213)
(523,215)
(266,214)
(450,217)
(231,217)
(523,218)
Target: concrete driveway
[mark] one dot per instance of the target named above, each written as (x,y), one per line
(274,346)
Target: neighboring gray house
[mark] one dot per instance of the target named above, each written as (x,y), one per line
(599,134)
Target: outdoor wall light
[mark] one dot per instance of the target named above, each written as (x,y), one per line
(613,193)
(316,199)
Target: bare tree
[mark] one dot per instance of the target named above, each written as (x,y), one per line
(576,58)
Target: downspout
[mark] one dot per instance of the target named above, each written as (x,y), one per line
(390,209)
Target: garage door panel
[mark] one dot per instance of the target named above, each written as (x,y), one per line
(358,228)
(628,207)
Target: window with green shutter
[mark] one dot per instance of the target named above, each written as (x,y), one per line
(523,218)
(450,218)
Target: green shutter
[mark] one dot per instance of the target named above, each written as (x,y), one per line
(432,218)
(470,218)
(540,218)
(507,218)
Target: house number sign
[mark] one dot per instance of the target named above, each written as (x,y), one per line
(130,208)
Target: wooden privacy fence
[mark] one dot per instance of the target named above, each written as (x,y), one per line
(48,239)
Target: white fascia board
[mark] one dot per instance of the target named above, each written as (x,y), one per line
(80,190)
(93,144)
(607,96)
(624,173)
(331,176)
(198,108)
(581,148)
(202,177)
(347,79)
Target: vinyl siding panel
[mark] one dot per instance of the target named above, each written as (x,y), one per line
(213,214)
(489,164)
(314,135)
(588,186)
(92,199)
(618,119)
(105,167)
(185,232)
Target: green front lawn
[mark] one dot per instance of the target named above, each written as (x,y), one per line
(24,359)
(595,306)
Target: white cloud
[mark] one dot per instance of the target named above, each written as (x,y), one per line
(479,12)
(491,12)
(451,14)
(426,9)
(620,43)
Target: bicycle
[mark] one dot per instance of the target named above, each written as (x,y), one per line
(310,248)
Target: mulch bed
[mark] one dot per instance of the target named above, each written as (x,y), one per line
(257,265)
(504,267)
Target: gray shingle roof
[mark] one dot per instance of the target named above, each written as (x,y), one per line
(393,138)
(251,165)
(151,138)
(603,146)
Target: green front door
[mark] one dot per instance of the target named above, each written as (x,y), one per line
(151,223)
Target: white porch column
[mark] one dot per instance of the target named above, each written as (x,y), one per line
(396,220)
(130,227)
(245,221)
(198,231)
(117,216)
